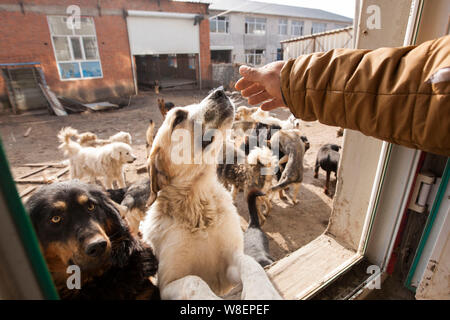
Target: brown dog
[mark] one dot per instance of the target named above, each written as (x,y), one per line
(164,107)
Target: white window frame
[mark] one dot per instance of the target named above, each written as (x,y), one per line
(282,23)
(297,25)
(215,21)
(315,24)
(253,21)
(78,61)
(253,56)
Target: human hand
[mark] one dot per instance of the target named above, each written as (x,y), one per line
(262,84)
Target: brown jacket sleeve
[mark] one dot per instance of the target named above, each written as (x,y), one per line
(383,93)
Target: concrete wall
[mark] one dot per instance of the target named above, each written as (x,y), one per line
(224,73)
(25,37)
(270,41)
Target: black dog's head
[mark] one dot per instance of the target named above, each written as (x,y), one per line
(77,224)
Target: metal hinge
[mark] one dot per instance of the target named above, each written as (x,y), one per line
(422,188)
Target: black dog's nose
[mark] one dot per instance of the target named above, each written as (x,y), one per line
(219,94)
(96,248)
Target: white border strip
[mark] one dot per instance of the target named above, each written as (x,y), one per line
(157,14)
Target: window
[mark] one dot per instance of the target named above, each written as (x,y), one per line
(340,26)
(297,28)
(254,56)
(219,25)
(76,50)
(255,25)
(282,26)
(191,61)
(220,56)
(318,27)
(279,54)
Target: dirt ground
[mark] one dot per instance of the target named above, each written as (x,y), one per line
(288,228)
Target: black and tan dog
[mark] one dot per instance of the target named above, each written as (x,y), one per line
(77,224)
(134,201)
(164,107)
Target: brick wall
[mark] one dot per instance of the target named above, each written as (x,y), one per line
(25,37)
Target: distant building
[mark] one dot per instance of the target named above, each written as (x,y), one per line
(116,47)
(250,32)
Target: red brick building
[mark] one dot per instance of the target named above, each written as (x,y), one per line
(116,44)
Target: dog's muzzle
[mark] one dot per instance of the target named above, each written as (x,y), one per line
(221,107)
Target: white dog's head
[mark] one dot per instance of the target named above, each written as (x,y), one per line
(294,122)
(122,152)
(188,141)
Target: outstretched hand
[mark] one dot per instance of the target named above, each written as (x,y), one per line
(262,85)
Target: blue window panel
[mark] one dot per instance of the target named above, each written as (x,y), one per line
(91,69)
(279,54)
(69,70)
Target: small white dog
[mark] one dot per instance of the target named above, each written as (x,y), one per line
(106,161)
(192,225)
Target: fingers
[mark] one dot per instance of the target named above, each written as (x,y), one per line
(242,83)
(249,76)
(253,89)
(272,104)
(259,97)
(252,74)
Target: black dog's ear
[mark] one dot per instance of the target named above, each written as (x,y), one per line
(122,242)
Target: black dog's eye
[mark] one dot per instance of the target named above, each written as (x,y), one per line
(91,206)
(56,219)
(179,118)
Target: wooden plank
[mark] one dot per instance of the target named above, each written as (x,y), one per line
(50,164)
(27,191)
(306,269)
(10,90)
(27,133)
(100,106)
(43,180)
(53,101)
(30,181)
(33,172)
(59,173)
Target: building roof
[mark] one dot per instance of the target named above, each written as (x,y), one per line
(275,9)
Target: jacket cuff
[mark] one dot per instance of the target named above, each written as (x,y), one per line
(285,84)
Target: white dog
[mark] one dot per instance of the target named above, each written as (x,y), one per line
(192,225)
(106,161)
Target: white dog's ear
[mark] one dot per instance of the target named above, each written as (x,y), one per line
(116,154)
(158,178)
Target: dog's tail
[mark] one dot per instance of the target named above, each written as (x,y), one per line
(69,146)
(86,138)
(252,209)
(281,185)
(292,173)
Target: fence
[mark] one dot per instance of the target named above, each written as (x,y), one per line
(319,42)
